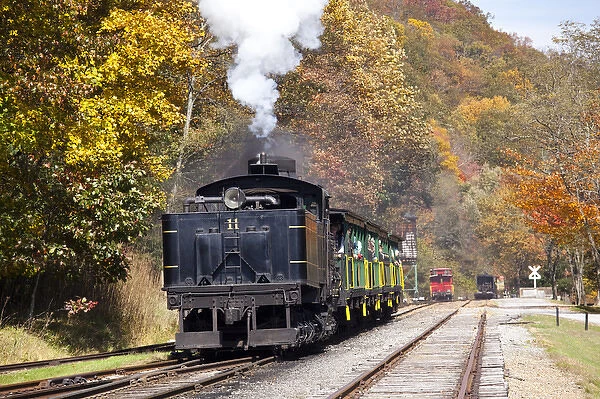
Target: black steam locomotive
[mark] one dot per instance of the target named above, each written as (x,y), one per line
(261,260)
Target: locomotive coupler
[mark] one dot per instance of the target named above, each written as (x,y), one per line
(232,315)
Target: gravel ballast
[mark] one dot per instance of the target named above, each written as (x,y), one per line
(530,372)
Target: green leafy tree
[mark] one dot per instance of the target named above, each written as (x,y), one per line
(90,94)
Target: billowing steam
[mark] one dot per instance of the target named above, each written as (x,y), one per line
(264,32)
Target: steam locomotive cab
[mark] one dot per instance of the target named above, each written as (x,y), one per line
(246,263)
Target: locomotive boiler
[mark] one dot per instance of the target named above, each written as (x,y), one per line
(261,260)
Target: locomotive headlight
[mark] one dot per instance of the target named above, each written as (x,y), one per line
(234,198)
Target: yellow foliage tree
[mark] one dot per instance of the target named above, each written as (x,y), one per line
(370,142)
(473,109)
(92,93)
(484,124)
(448,160)
(423,27)
(135,87)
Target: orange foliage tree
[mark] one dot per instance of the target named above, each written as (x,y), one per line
(560,197)
(510,243)
(557,182)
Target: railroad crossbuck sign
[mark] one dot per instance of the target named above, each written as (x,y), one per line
(534,274)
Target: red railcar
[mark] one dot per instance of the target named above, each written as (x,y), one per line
(441,287)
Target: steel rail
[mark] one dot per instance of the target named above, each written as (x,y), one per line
(54,362)
(204,382)
(37,388)
(405,312)
(473,368)
(186,367)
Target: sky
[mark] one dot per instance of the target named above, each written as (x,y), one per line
(538,19)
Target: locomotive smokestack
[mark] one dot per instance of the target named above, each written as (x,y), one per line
(273,165)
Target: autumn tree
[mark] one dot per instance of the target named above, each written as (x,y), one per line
(557,180)
(369,142)
(211,114)
(485,126)
(510,244)
(551,210)
(90,93)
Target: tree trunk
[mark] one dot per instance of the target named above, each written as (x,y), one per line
(184,138)
(552,263)
(597,285)
(592,241)
(518,282)
(33,294)
(596,259)
(576,263)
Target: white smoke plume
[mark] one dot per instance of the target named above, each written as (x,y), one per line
(264,32)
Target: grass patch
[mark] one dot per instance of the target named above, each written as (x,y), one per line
(81,367)
(131,313)
(142,305)
(572,348)
(17,345)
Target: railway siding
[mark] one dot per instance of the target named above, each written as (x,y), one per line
(164,347)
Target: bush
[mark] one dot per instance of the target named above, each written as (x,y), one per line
(139,305)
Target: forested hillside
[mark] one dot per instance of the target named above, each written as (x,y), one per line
(112,111)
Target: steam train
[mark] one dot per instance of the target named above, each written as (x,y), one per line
(262,260)
(441,286)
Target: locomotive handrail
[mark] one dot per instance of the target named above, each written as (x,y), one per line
(231,289)
(350,271)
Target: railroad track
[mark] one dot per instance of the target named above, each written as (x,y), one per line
(153,382)
(319,373)
(490,381)
(169,346)
(166,383)
(453,359)
(404,311)
(62,384)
